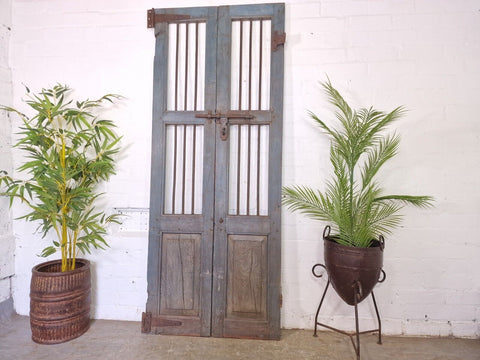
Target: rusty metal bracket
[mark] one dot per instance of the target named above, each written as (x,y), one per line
(208,115)
(153,18)
(278,39)
(227,115)
(149,321)
(146,322)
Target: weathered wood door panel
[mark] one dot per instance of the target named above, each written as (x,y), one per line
(214,241)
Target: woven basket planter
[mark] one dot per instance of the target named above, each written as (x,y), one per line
(59,302)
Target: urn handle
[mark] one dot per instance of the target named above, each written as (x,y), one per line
(381,240)
(384,276)
(326,232)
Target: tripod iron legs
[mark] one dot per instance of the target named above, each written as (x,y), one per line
(356,343)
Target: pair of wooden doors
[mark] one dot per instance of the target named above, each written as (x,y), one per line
(214,237)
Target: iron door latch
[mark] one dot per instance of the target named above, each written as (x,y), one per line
(222,119)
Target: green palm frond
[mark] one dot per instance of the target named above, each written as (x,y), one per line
(307,201)
(419,201)
(353,202)
(387,148)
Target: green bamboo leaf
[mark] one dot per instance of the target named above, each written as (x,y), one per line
(48,251)
(63,186)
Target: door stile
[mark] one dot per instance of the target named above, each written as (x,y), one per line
(253,233)
(209,176)
(221,179)
(275,169)
(178,226)
(157,180)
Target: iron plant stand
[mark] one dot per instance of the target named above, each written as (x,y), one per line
(358,293)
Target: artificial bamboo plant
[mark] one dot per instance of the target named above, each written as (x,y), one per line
(69,151)
(354,203)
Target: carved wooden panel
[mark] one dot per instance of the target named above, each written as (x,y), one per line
(247,277)
(180,274)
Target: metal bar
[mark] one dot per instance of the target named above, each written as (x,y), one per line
(153,18)
(238,167)
(378,318)
(235,115)
(367,331)
(357,335)
(318,309)
(196,68)
(194,155)
(184,166)
(185,95)
(335,329)
(227,115)
(240,68)
(260,69)
(250,67)
(258,169)
(174,183)
(208,115)
(248,167)
(176,67)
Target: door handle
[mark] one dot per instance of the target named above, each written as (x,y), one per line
(220,220)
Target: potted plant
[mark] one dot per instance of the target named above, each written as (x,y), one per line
(69,151)
(354,203)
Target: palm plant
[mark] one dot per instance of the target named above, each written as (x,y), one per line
(69,151)
(353,201)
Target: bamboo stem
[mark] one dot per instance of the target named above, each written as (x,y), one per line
(63,189)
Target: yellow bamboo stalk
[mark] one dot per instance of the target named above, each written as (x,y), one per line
(64,243)
(74,247)
(63,189)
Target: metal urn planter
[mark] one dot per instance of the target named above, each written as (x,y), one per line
(353,273)
(354,202)
(59,302)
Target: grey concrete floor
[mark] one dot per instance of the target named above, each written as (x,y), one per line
(122,340)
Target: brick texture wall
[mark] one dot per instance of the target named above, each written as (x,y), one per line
(6,238)
(419,53)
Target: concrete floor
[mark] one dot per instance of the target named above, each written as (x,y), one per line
(121,340)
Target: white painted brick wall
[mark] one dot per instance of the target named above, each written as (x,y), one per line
(419,53)
(7,241)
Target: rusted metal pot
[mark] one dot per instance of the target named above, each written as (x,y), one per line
(353,272)
(59,302)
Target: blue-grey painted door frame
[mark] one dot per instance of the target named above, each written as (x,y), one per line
(204,242)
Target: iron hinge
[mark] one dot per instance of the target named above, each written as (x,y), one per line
(146,322)
(281,300)
(153,18)
(278,39)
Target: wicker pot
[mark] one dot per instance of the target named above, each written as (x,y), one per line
(353,272)
(59,302)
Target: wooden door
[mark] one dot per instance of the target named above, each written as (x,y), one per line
(214,240)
